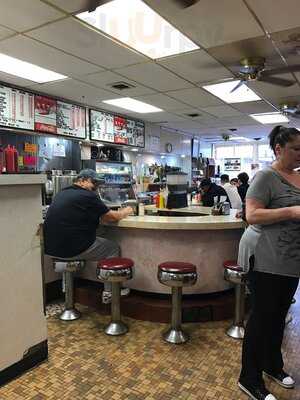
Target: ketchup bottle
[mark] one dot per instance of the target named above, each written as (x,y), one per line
(16,155)
(9,159)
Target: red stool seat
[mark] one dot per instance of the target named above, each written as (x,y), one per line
(116,263)
(232,264)
(177,267)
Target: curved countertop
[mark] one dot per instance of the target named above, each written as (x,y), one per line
(201,222)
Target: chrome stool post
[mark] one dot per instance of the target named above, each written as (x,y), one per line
(115,270)
(234,274)
(176,275)
(68,268)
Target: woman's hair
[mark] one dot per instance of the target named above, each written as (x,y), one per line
(243,177)
(281,135)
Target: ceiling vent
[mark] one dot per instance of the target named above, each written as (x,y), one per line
(121,85)
(193,115)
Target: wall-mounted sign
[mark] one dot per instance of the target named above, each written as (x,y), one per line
(30,148)
(70,120)
(232,164)
(45,114)
(16,108)
(101,126)
(116,129)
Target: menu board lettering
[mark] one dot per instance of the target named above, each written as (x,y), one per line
(45,114)
(115,129)
(16,108)
(70,120)
(102,126)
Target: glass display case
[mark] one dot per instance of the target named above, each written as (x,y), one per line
(117,187)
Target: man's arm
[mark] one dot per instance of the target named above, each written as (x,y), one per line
(115,216)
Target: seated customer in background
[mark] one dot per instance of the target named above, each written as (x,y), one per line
(232,192)
(73,218)
(209,190)
(243,179)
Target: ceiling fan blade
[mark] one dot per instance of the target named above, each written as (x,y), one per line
(93,4)
(276,81)
(185,3)
(282,70)
(241,83)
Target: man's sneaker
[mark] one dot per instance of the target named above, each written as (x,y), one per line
(125,291)
(257,393)
(283,379)
(106,297)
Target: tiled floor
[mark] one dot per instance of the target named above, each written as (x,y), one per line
(85,364)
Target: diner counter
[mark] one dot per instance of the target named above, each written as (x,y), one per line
(205,221)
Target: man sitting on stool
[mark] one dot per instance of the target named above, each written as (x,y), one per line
(72,220)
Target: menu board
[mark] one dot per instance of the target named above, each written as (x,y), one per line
(45,114)
(16,108)
(120,125)
(232,164)
(102,126)
(70,120)
(115,129)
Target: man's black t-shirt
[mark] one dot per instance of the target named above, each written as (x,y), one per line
(71,221)
(213,191)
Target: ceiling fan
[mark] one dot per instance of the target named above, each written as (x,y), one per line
(93,4)
(290,109)
(254,69)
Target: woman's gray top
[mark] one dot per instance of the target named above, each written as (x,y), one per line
(276,247)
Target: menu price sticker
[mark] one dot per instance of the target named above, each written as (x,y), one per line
(16,108)
(45,114)
(71,120)
(102,126)
(30,148)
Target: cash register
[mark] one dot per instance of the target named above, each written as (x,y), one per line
(177,184)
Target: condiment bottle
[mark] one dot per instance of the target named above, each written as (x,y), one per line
(9,159)
(161,200)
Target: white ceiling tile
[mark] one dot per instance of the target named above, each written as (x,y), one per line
(162,101)
(254,107)
(211,23)
(5,32)
(70,6)
(76,91)
(74,37)
(274,15)
(161,117)
(40,54)
(155,76)
(195,97)
(105,79)
(235,122)
(222,111)
(26,14)
(197,66)
(14,80)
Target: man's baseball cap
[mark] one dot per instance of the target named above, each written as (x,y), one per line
(90,173)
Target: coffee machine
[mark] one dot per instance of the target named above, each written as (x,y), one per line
(177,184)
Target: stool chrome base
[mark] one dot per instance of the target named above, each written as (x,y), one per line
(175,336)
(236,332)
(70,315)
(116,328)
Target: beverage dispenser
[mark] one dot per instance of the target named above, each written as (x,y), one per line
(177,183)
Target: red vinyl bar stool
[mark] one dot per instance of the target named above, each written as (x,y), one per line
(176,275)
(115,270)
(68,269)
(235,274)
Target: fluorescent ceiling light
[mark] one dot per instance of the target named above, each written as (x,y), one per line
(240,95)
(270,118)
(133,105)
(236,138)
(23,69)
(135,24)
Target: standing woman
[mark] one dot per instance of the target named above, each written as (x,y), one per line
(270,248)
